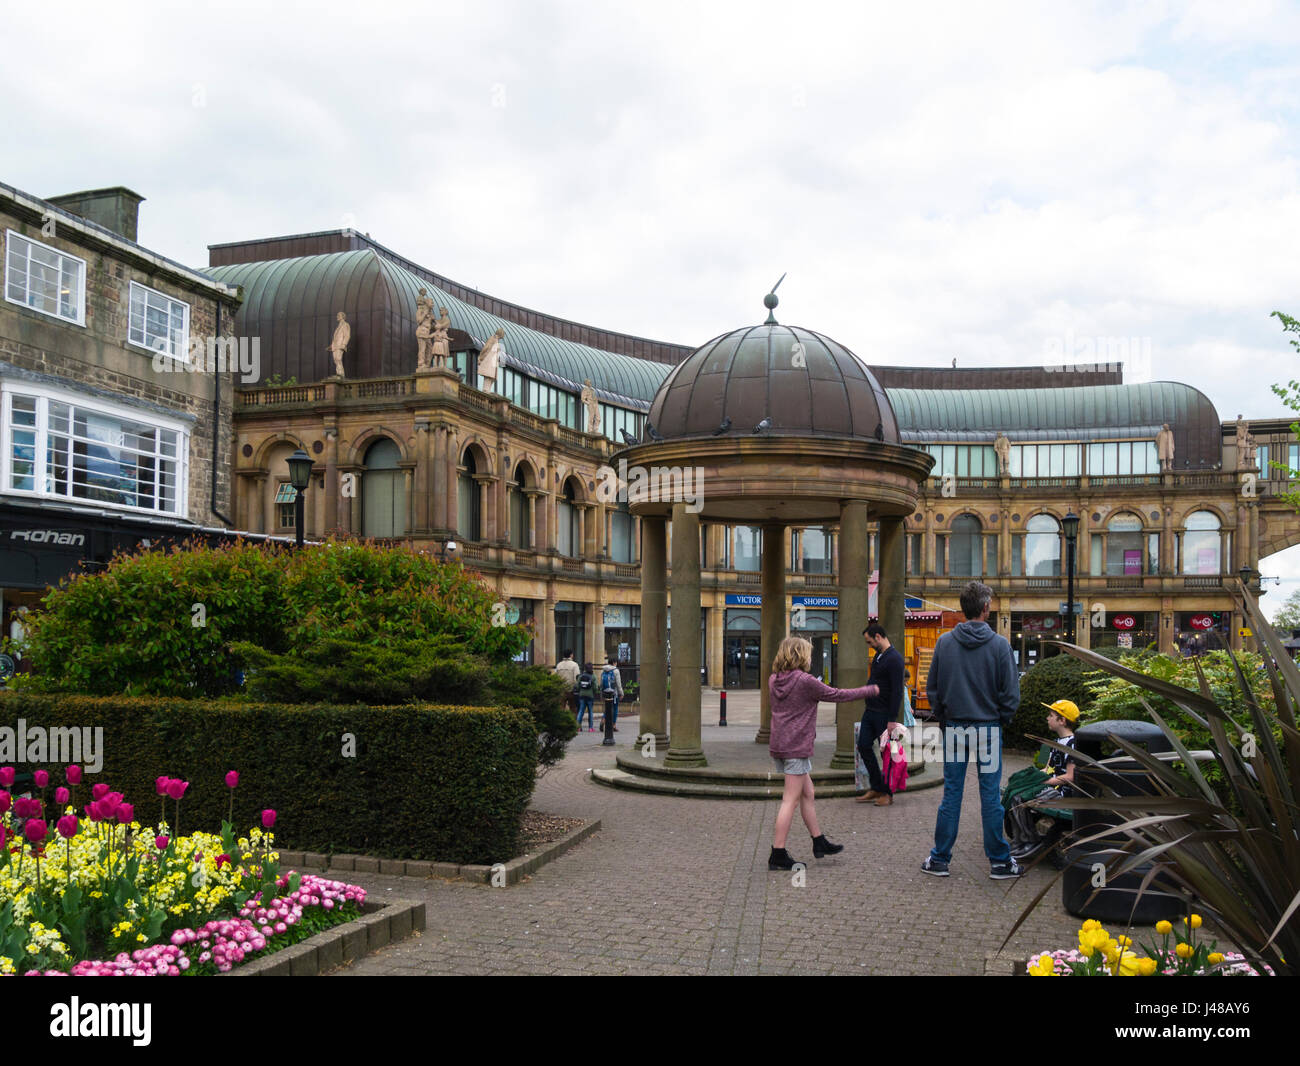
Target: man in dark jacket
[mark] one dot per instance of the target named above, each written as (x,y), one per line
(881,710)
(974,691)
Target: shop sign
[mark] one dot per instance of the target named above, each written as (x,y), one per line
(1123,621)
(1201,621)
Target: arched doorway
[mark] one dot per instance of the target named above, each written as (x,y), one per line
(383,492)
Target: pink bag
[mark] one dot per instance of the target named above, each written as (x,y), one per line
(893,764)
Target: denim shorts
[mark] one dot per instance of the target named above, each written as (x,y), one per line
(792,766)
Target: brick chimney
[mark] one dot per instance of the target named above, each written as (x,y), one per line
(117,209)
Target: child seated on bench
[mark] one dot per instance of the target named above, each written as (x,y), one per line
(1024,824)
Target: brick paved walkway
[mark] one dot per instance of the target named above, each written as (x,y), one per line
(676,885)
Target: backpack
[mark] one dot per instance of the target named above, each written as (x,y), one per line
(607,681)
(586,684)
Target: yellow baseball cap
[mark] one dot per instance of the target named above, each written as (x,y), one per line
(1065,708)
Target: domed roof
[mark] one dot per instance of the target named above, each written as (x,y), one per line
(805,384)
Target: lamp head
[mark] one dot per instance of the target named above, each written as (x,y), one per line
(300,464)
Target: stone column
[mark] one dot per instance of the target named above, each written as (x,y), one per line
(889,593)
(654,629)
(331,479)
(684,748)
(854,575)
(774,627)
(441,489)
(409,479)
(263,507)
(532,518)
(451,502)
(609,533)
(580,549)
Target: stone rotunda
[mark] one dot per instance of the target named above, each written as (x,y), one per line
(771,426)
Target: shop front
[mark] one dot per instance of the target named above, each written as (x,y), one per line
(520,612)
(1034,636)
(1128,630)
(571,630)
(623,638)
(814,619)
(1196,632)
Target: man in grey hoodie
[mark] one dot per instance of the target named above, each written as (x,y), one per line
(974,691)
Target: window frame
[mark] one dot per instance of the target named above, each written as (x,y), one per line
(80,320)
(184,357)
(45,396)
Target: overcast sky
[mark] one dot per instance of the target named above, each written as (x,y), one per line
(993,183)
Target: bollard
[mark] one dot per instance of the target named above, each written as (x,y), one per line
(722,708)
(609,720)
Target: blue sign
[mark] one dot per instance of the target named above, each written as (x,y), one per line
(737,600)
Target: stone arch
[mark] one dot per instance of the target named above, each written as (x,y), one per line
(367,438)
(264,449)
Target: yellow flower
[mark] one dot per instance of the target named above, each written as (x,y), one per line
(1146,967)
(1125,942)
(1194,921)
(1184,951)
(1129,964)
(1043,967)
(1091,923)
(1163,928)
(1214,958)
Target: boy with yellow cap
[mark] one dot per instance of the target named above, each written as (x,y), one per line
(1028,829)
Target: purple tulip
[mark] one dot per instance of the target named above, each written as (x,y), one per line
(125,814)
(161,842)
(161,785)
(6,776)
(176,788)
(62,795)
(73,774)
(67,826)
(94,812)
(26,808)
(232,779)
(41,777)
(35,831)
(268,818)
(99,791)
(6,801)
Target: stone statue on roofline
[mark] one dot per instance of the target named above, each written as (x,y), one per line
(1002,449)
(1245,445)
(489,360)
(1165,447)
(593,408)
(424,331)
(441,344)
(339,343)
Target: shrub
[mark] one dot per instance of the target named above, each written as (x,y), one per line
(426,782)
(1057,678)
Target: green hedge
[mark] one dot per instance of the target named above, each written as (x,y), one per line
(427,782)
(1062,677)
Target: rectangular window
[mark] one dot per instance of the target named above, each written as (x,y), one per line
(914,557)
(941,554)
(45,279)
(1293,458)
(1072,460)
(1262,458)
(158,322)
(1153,553)
(1095,553)
(1125,458)
(990,554)
(748,543)
(1017,554)
(59,448)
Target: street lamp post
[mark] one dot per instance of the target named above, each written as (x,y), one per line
(300,464)
(1070,523)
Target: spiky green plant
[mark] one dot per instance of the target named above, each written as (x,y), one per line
(1237,862)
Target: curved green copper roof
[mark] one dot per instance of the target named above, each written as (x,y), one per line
(291,303)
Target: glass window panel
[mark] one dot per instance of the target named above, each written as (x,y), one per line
(1125,452)
(1029,461)
(1153,553)
(1094,555)
(1057,453)
(1072,460)
(963,461)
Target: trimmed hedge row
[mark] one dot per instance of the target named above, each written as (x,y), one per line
(427,782)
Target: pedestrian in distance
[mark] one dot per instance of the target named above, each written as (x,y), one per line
(974,692)
(586,697)
(795,694)
(882,711)
(568,669)
(611,681)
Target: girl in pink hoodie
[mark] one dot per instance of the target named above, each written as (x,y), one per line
(795,694)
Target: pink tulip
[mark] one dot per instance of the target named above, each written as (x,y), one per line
(99,791)
(93,812)
(222,858)
(6,801)
(176,788)
(232,779)
(6,776)
(67,826)
(125,814)
(268,818)
(73,774)
(161,842)
(161,785)
(62,795)
(26,808)
(41,777)
(35,831)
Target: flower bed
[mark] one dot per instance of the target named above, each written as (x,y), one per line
(1101,955)
(108,896)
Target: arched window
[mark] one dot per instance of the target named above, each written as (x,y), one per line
(569,540)
(1202,543)
(1117,552)
(521,527)
(1043,547)
(965,550)
(469,500)
(383,492)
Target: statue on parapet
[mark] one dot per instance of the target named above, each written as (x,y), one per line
(424,331)
(1246,446)
(339,343)
(592,406)
(489,361)
(1165,448)
(1002,449)
(441,345)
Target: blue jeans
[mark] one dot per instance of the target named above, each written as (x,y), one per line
(963,741)
(584,704)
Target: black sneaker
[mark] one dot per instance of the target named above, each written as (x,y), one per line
(934,866)
(1004,871)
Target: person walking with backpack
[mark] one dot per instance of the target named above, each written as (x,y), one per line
(974,692)
(586,697)
(568,669)
(612,681)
